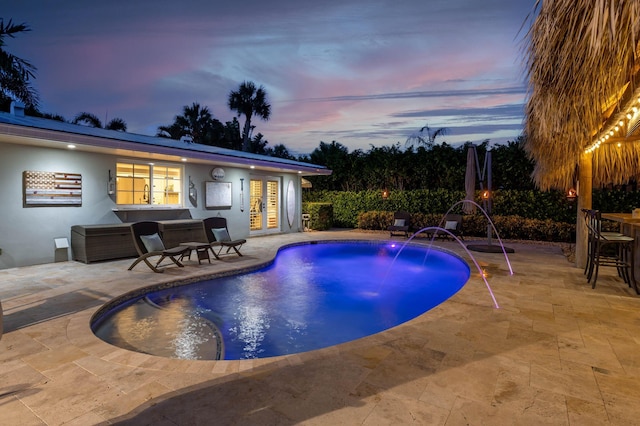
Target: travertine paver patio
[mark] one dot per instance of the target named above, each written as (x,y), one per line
(556,352)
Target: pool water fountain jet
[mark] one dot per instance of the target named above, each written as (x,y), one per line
(492,226)
(437,228)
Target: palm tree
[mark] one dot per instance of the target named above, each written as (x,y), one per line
(198,124)
(173,131)
(249,100)
(88,119)
(431,136)
(195,121)
(15,73)
(116,124)
(93,121)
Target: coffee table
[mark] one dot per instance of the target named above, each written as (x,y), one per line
(201,249)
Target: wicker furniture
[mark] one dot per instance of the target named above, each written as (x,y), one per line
(401,224)
(93,243)
(147,238)
(201,249)
(218,225)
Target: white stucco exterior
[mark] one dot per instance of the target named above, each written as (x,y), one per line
(28,233)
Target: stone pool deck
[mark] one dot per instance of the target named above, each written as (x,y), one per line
(556,352)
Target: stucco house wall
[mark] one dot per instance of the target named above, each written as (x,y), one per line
(28,233)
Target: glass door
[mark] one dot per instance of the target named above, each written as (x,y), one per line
(264,202)
(255,205)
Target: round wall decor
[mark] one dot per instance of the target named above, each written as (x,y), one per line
(217,173)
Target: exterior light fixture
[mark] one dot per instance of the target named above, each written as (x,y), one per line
(572,194)
(71,146)
(486,194)
(111,184)
(385,194)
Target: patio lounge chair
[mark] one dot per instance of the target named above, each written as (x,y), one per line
(218,235)
(148,242)
(453,224)
(401,224)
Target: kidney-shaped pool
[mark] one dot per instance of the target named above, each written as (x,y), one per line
(312,296)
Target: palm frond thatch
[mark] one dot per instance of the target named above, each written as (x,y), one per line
(582,63)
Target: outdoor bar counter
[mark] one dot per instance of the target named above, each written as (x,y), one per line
(628,226)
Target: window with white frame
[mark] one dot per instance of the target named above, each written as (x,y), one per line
(147,183)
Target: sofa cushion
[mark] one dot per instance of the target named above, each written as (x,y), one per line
(152,242)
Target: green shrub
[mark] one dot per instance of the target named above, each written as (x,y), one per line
(321,215)
(347,205)
(508,227)
(375,220)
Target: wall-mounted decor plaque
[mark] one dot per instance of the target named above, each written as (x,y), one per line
(217,195)
(52,189)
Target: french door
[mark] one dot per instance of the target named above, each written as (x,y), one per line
(264,205)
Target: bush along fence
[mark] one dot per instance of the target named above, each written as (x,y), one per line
(529,215)
(475,225)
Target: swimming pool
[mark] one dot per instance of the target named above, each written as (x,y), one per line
(312,296)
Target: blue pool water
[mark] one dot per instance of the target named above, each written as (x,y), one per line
(312,296)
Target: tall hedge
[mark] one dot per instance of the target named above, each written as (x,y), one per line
(508,227)
(321,215)
(347,205)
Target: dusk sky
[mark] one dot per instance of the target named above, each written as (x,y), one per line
(360,72)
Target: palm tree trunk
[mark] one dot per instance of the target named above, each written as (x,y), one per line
(246,145)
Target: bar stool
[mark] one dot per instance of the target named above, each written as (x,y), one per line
(591,219)
(609,249)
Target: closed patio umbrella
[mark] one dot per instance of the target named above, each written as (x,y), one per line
(470,181)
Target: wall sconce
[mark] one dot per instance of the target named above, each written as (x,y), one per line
(572,194)
(385,194)
(241,194)
(193,193)
(111,184)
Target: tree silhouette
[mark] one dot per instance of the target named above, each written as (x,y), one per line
(15,73)
(197,123)
(249,100)
(425,136)
(92,120)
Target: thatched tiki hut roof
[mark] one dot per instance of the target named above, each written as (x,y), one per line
(582,61)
